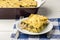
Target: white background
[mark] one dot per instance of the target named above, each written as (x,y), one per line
(51,9)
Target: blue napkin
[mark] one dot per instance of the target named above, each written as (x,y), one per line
(54,35)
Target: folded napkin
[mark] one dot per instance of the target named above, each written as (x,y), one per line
(55,35)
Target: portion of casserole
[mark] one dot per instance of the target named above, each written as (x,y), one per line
(17,3)
(34,23)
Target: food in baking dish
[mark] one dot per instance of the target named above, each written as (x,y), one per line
(17,3)
(34,23)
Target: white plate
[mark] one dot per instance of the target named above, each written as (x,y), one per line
(47,29)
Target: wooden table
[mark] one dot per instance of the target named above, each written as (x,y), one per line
(6,28)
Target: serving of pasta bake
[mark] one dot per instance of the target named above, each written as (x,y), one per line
(34,23)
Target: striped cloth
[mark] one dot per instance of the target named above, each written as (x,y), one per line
(55,35)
